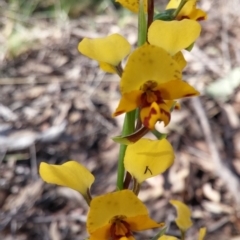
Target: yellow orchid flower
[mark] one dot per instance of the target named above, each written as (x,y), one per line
(173,36)
(202,233)
(183,219)
(116,215)
(108,51)
(147,158)
(70,174)
(188,11)
(132,5)
(150,77)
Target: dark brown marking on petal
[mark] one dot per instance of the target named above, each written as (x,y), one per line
(116,221)
(165,112)
(147,119)
(147,169)
(183,17)
(190,95)
(200,18)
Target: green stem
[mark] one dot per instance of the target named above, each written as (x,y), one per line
(142,24)
(129,120)
(180,6)
(128,128)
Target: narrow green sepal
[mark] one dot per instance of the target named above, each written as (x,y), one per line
(122,140)
(158,135)
(165,16)
(131,138)
(189,48)
(162,232)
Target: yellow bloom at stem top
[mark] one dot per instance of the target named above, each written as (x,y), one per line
(116,215)
(70,174)
(188,11)
(147,158)
(108,51)
(151,77)
(183,219)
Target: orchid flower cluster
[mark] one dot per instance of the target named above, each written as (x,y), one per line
(150,83)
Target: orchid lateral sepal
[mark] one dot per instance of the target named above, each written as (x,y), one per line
(131,138)
(119,69)
(136,186)
(127,180)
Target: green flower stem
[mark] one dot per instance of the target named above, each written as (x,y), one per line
(180,6)
(128,128)
(129,120)
(142,25)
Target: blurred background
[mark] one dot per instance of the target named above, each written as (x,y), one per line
(56,105)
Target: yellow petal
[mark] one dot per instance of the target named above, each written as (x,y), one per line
(156,112)
(202,233)
(147,158)
(173,36)
(166,237)
(148,63)
(70,174)
(179,58)
(171,103)
(176,89)
(142,222)
(107,67)
(183,219)
(188,11)
(198,15)
(111,49)
(128,102)
(105,207)
(132,5)
(100,233)
(173,4)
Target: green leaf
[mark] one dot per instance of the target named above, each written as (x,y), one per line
(165,16)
